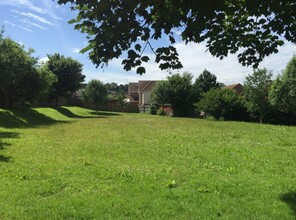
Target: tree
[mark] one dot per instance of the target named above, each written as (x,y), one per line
(95,93)
(36,84)
(123,87)
(121,99)
(116,88)
(14,61)
(180,94)
(283,89)
(161,93)
(220,102)
(68,73)
(256,88)
(205,81)
(20,78)
(112,86)
(177,91)
(252,29)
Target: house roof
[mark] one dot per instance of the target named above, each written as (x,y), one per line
(149,86)
(232,86)
(143,85)
(237,87)
(133,87)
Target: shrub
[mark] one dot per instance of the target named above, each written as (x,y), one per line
(161,112)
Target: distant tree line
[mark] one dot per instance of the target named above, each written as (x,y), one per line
(262,99)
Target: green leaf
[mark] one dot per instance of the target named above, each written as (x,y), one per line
(72,21)
(145,58)
(141,70)
(138,47)
(87,48)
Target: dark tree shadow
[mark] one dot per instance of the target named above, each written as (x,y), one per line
(25,118)
(4,158)
(9,135)
(3,144)
(66,112)
(290,199)
(105,113)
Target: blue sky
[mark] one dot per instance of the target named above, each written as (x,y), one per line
(43,26)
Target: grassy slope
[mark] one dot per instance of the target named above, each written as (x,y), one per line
(73,163)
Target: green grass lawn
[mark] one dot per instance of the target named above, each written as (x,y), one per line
(73,163)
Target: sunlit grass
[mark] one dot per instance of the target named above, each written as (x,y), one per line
(74,163)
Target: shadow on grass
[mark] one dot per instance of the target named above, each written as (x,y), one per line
(105,113)
(66,112)
(290,199)
(4,158)
(25,118)
(3,144)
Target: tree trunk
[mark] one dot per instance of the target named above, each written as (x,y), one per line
(57,101)
(9,103)
(9,99)
(261,118)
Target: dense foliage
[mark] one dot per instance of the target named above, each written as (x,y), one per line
(95,93)
(21,79)
(256,89)
(176,91)
(204,82)
(250,29)
(114,87)
(161,93)
(121,99)
(283,90)
(221,103)
(68,72)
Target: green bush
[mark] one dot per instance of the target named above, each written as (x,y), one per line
(161,112)
(153,109)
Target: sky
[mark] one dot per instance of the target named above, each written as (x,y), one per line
(43,26)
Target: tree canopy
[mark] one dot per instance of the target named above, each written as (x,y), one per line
(95,93)
(283,89)
(249,28)
(68,73)
(256,89)
(219,102)
(177,91)
(161,93)
(205,81)
(20,78)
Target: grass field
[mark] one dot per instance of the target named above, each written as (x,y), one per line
(73,163)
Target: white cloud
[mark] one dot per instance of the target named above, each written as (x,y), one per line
(75,50)
(115,73)
(33,24)
(26,29)
(33,16)
(43,60)
(229,70)
(9,23)
(51,9)
(195,60)
(23,3)
(47,8)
